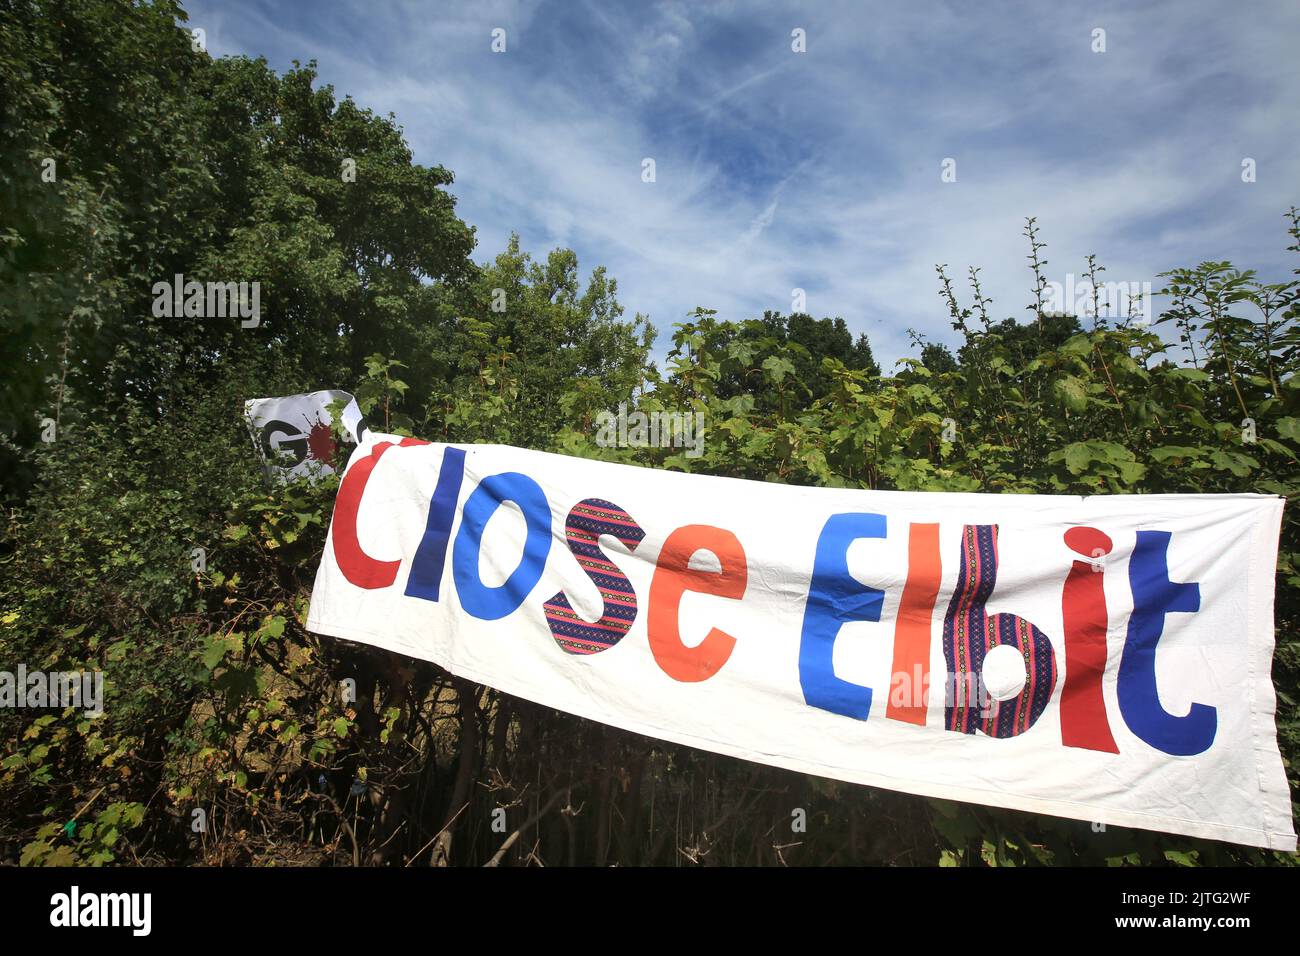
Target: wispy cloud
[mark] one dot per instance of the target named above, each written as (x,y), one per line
(821,170)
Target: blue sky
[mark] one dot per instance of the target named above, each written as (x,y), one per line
(821,170)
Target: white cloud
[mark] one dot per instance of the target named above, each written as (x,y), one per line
(1132,154)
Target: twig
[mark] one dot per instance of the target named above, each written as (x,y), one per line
(510,840)
(416,855)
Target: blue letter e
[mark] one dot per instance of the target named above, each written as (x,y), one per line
(836,598)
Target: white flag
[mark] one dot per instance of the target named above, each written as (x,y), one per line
(292,434)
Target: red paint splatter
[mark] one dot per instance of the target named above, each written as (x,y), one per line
(320,444)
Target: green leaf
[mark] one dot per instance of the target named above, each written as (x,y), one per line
(1175,453)
(1289,428)
(33,852)
(218,646)
(1077,457)
(778,368)
(1072,392)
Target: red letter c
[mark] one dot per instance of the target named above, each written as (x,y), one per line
(357,566)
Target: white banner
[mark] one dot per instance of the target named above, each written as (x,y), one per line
(292,433)
(1103,658)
